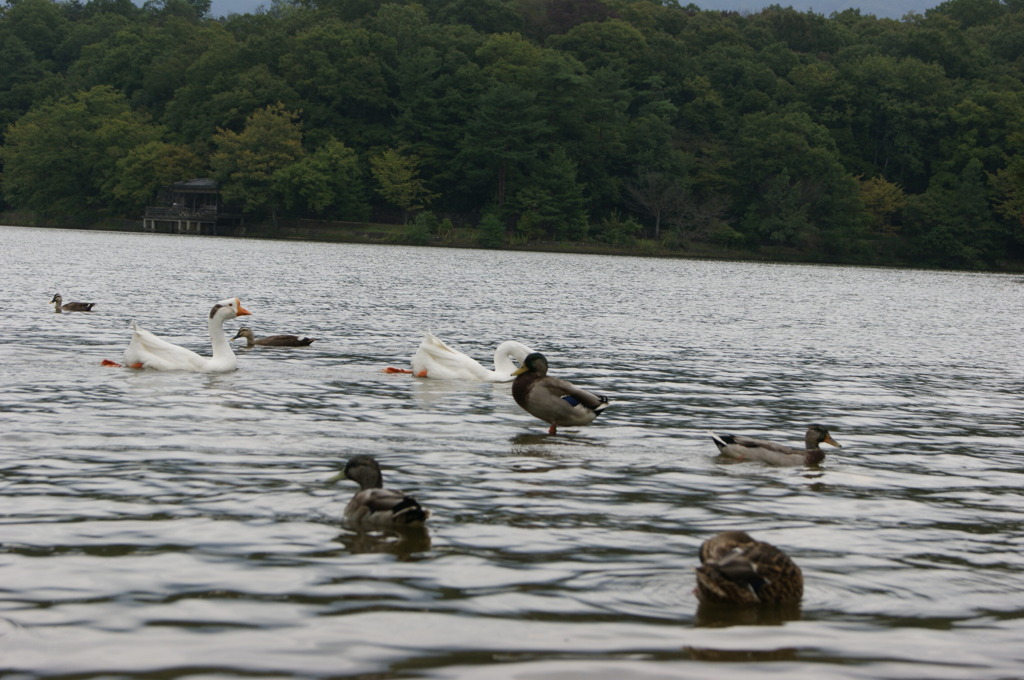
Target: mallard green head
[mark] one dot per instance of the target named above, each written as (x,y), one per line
(363,470)
(817,434)
(533,363)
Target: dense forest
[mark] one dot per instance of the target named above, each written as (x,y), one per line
(629,123)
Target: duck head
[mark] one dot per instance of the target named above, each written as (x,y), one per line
(816,434)
(533,363)
(364,471)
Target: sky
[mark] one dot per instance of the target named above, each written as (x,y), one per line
(891,9)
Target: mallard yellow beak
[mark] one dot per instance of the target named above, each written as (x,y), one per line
(242,311)
(828,440)
(335,478)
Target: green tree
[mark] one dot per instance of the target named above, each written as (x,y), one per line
(61,157)
(145,168)
(222,87)
(399,182)
(24,79)
(1008,184)
(39,24)
(247,164)
(327,182)
(335,68)
(790,183)
(884,203)
(657,194)
(505,133)
(552,201)
(952,224)
(609,44)
(491,230)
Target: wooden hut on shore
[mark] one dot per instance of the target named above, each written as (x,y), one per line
(194,206)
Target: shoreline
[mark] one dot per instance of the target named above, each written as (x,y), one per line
(326,231)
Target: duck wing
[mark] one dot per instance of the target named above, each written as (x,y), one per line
(384,507)
(748,448)
(285,341)
(755,573)
(559,402)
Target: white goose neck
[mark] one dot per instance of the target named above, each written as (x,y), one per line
(221,346)
(506,352)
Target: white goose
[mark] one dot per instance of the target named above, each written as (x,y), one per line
(434,359)
(148,351)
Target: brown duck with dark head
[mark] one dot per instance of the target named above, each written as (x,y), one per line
(70,306)
(272,340)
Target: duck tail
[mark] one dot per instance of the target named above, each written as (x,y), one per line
(409,511)
(719,440)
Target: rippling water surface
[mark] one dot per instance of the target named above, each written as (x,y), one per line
(180,525)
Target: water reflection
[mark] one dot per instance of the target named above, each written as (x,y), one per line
(402,543)
(723,616)
(743,655)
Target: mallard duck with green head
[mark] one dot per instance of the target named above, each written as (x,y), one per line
(739,447)
(553,400)
(373,506)
(736,569)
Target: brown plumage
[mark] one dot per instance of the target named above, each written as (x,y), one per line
(272,340)
(736,569)
(556,402)
(374,506)
(70,306)
(746,448)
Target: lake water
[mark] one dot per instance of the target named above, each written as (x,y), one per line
(176,525)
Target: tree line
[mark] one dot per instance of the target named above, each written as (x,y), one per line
(845,138)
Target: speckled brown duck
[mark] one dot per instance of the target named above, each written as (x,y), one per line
(70,306)
(739,447)
(272,340)
(736,569)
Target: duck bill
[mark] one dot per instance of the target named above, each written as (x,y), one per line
(335,478)
(828,440)
(242,311)
(520,370)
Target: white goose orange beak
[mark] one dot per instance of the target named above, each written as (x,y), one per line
(242,311)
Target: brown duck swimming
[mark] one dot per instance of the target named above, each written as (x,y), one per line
(555,401)
(374,506)
(746,448)
(272,340)
(71,306)
(736,569)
